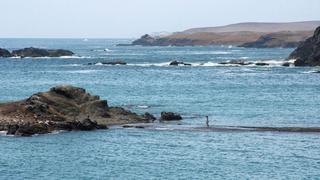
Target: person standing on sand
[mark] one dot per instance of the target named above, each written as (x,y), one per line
(207,121)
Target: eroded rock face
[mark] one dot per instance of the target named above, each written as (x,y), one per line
(62,108)
(170,116)
(37,52)
(308,52)
(4,53)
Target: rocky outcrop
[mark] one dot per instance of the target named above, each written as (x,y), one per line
(279,39)
(177,63)
(308,52)
(4,53)
(149,117)
(170,116)
(37,52)
(145,40)
(62,108)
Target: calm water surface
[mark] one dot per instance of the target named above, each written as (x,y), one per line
(248,95)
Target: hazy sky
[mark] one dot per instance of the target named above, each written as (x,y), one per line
(132,18)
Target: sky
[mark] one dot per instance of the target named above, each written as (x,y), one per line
(133,18)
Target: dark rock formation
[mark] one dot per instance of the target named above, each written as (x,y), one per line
(4,53)
(279,39)
(149,117)
(286,64)
(62,108)
(170,116)
(37,52)
(145,40)
(261,64)
(177,63)
(308,52)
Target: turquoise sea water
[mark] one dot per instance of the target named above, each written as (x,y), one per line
(231,95)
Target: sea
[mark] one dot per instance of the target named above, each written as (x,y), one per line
(231,95)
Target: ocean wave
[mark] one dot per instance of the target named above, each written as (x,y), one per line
(194,52)
(102,50)
(72,65)
(231,63)
(311,72)
(46,57)
(244,57)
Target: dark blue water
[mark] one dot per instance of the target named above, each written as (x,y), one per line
(231,95)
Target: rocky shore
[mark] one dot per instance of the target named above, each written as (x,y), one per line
(35,52)
(63,108)
(308,52)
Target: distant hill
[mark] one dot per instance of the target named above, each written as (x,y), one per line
(259,27)
(253,34)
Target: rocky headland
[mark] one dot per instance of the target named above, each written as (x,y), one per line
(308,52)
(35,52)
(63,108)
(250,35)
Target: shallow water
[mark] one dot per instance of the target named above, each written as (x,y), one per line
(247,95)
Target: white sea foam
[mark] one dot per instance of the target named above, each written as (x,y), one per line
(194,52)
(244,57)
(82,71)
(75,57)
(3,133)
(71,65)
(269,63)
(143,106)
(311,72)
(58,131)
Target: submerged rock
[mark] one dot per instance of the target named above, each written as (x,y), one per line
(37,52)
(308,52)
(286,64)
(261,64)
(62,108)
(170,116)
(109,63)
(177,63)
(4,53)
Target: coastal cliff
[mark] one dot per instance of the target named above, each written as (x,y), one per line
(250,35)
(285,39)
(308,52)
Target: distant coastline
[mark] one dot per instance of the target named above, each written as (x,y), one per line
(249,35)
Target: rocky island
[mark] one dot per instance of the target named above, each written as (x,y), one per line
(63,108)
(250,35)
(308,52)
(35,52)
